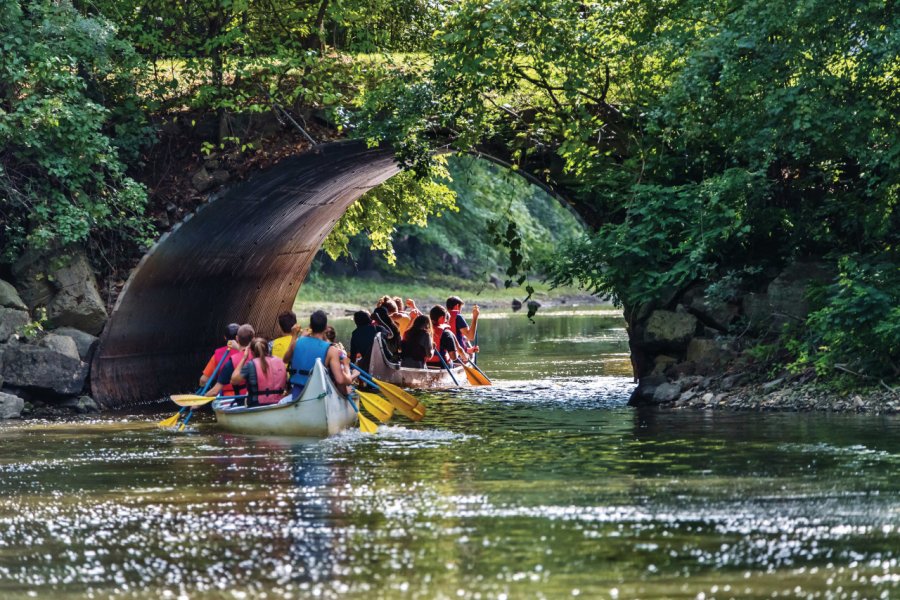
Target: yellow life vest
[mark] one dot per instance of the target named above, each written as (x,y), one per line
(280,346)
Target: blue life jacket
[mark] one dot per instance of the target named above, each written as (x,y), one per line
(306,351)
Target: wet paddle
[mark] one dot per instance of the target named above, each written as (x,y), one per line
(365,424)
(173,420)
(402,401)
(195,400)
(380,408)
(475,375)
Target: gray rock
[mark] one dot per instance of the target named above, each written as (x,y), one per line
(202,180)
(31,273)
(81,405)
(771,385)
(85,342)
(668,329)
(11,406)
(77,303)
(646,388)
(787,292)
(713,313)
(757,311)
(31,366)
(12,321)
(666,392)
(703,351)
(60,343)
(220,176)
(661,363)
(9,297)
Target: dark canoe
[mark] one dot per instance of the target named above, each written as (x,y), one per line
(418,379)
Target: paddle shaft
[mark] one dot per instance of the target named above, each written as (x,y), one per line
(446,366)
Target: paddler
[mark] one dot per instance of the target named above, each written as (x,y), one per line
(444,343)
(304,351)
(230,333)
(280,345)
(264,376)
(465,333)
(241,341)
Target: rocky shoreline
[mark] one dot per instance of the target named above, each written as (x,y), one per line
(783,394)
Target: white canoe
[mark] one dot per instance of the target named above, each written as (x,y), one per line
(319,411)
(381,367)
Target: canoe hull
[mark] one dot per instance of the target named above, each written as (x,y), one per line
(319,412)
(418,379)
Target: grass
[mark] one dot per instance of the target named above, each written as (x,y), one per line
(336,294)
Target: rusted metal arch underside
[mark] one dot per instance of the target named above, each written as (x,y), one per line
(241,258)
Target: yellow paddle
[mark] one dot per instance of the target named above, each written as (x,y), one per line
(193,400)
(380,408)
(171,421)
(366,425)
(475,375)
(402,401)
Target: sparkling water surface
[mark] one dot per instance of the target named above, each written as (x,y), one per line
(544,486)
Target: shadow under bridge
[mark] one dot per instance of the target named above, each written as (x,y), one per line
(240,258)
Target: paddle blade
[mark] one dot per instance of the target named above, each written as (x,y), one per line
(191,400)
(475,376)
(380,408)
(366,425)
(402,400)
(171,421)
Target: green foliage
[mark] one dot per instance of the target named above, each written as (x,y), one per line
(68,122)
(402,199)
(858,324)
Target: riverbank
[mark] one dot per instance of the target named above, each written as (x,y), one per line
(782,394)
(338,295)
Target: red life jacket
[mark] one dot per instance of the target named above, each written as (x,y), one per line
(227,389)
(270,387)
(438,331)
(463,340)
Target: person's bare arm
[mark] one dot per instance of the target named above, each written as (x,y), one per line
(469,331)
(338,372)
(295,333)
(236,377)
(214,390)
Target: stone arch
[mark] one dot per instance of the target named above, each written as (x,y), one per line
(241,258)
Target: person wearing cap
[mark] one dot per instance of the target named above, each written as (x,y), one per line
(230,333)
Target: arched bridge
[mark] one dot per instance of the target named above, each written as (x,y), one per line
(240,258)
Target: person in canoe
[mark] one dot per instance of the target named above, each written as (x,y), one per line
(442,338)
(241,341)
(362,338)
(279,345)
(417,347)
(263,376)
(464,332)
(303,352)
(230,333)
(390,337)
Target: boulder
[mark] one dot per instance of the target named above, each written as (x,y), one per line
(85,342)
(645,390)
(666,392)
(703,351)
(34,366)
(60,343)
(202,180)
(787,292)
(668,329)
(757,311)
(9,297)
(712,313)
(77,303)
(220,176)
(12,321)
(661,363)
(81,405)
(11,406)
(32,279)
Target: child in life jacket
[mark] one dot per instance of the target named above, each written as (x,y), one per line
(264,376)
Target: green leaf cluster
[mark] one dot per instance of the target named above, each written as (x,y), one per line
(69,122)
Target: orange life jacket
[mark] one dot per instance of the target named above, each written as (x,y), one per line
(270,387)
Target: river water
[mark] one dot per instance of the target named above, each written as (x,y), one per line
(544,486)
